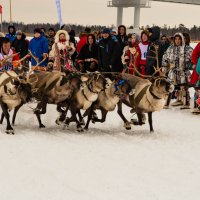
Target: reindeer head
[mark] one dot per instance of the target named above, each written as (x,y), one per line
(96,82)
(161,87)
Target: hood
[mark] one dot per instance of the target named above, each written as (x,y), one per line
(155,34)
(61,32)
(182,37)
(11,26)
(124,29)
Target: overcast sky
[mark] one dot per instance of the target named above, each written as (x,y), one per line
(89,12)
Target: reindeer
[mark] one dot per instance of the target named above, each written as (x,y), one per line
(108,99)
(13,93)
(150,93)
(94,83)
(54,88)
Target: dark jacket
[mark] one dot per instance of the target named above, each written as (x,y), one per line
(1,41)
(21,46)
(10,35)
(154,40)
(88,53)
(108,55)
(51,40)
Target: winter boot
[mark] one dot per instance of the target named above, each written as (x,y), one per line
(178,101)
(186,99)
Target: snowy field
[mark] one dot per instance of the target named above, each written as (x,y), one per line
(105,163)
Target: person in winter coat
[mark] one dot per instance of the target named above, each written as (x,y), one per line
(2,36)
(131,54)
(6,51)
(108,53)
(177,60)
(88,57)
(165,42)
(50,38)
(195,78)
(11,35)
(122,39)
(154,41)
(38,46)
(72,35)
(143,46)
(83,39)
(20,46)
(62,50)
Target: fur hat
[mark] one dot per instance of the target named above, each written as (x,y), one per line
(61,32)
(66,27)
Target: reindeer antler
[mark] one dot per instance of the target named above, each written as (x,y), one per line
(36,59)
(8,57)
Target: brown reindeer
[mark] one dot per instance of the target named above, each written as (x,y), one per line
(13,93)
(107,101)
(83,99)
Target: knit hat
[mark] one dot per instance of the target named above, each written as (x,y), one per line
(106,31)
(19,32)
(52,29)
(37,30)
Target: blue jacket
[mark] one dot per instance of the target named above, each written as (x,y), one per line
(38,46)
(11,37)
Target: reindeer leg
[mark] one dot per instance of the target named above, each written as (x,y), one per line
(62,112)
(88,112)
(139,115)
(81,118)
(104,114)
(74,112)
(127,124)
(2,118)
(43,106)
(150,121)
(15,113)
(9,128)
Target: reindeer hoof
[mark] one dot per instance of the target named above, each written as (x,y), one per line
(42,126)
(135,122)
(82,122)
(80,129)
(127,125)
(86,128)
(11,131)
(59,122)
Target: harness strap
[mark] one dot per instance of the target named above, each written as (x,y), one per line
(85,95)
(139,97)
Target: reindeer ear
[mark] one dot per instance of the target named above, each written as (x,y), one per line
(84,78)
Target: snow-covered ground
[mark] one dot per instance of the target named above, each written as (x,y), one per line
(105,163)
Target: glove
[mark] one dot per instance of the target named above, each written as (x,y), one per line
(50,65)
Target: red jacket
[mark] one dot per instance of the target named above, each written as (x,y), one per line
(195,57)
(133,60)
(81,43)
